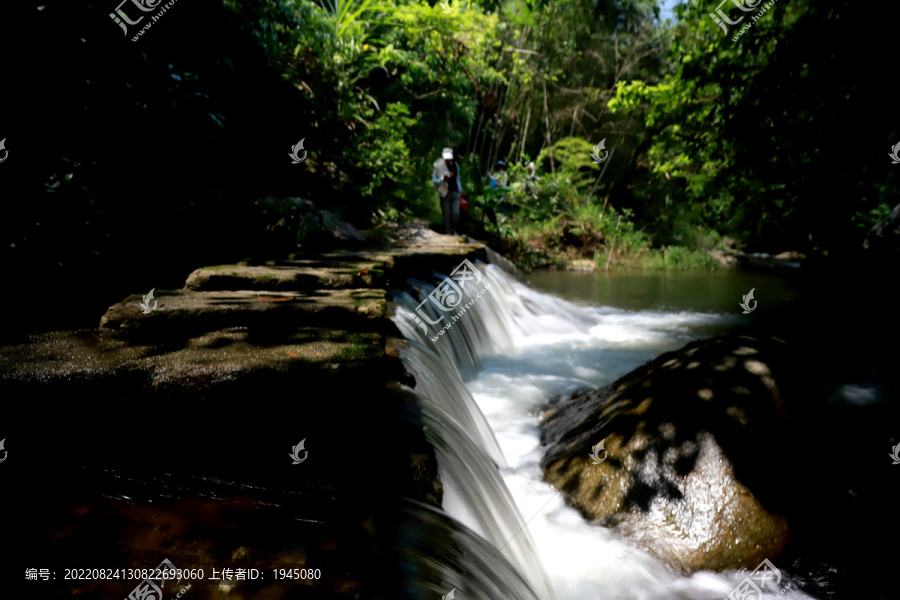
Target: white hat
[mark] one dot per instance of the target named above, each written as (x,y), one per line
(447,153)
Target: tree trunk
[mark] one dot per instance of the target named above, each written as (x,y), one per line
(525,133)
(613,249)
(547,117)
(602,171)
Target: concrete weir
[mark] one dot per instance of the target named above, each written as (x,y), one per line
(169,434)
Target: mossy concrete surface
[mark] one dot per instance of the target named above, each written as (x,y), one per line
(170,434)
(299,275)
(187,311)
(319,310)
(214,357)
(259,354)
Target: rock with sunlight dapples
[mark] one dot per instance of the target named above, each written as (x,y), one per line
(696,456)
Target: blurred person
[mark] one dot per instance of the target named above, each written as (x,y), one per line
(499,176)
(531,180)
(499,179)
(449,187)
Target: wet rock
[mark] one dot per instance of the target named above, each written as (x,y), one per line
(791,255)
(322,228)
(187,312)
(294,275)
(301,222)
(167,434)
(692,443)
(138,522)
(414,230)
(418,259)
(208,359)
(725,258)
(581,264)
(503,263)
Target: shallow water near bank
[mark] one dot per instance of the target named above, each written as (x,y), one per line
(701,291)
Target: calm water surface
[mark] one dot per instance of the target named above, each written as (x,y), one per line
(675,291)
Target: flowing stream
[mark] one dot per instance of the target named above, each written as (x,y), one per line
(482,384)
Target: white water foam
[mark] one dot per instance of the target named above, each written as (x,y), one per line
(520,348)
(558,348)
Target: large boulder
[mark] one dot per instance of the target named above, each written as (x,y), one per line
(323,229)
(691,440)
(292,221)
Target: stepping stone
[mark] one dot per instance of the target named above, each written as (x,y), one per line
(295,275)
(183,312)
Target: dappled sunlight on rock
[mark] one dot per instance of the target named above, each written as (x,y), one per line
(667,430)
(727,362)
(642,407)
(716,506)
(745,351)
(756,367)
(685,478)
(737,414)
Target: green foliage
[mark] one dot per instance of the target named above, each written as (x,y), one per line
(387,85)
(741,131)
(391,174)
(868,219)
(346,24)
(675,257)
(572,155)
(710,137)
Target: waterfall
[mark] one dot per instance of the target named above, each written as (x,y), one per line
(436,378)
(501,314)
(425,538)
(467,452)
(476,496)
(504,350)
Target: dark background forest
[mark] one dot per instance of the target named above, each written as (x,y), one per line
(131,163)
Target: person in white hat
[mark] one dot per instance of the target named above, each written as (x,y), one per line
(531,180)
(449,187)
